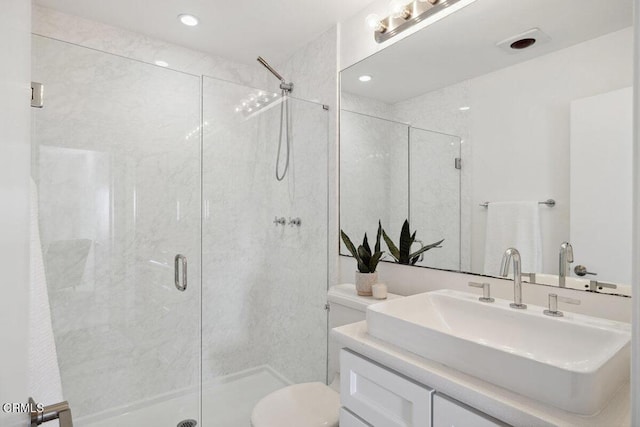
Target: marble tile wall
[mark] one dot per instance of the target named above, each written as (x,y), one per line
(432,156)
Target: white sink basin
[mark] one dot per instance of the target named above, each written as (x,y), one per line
(575,362)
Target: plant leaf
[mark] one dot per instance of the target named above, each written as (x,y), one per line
(426,248)
(393,249)
(377,247)
(365,243)
(405,243)
(364,259)
(375,259)
(347,242)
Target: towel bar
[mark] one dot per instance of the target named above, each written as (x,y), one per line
(550,202)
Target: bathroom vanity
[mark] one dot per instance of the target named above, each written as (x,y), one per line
(383,384)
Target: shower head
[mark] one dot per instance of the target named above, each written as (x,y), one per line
(283,83)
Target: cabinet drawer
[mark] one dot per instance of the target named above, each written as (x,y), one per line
(347,419)
(451,413)
(382,397)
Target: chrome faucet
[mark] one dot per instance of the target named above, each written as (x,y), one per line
(566,258)
(513,254)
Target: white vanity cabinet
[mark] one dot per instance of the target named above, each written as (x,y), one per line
(372,395)
(448,412)
(380,396)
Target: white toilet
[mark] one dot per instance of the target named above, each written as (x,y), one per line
(315,404)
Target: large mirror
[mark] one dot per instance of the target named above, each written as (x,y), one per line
(488,146)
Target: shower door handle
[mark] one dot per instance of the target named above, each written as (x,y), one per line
(180,265)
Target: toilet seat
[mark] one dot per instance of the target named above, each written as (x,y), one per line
(299,405)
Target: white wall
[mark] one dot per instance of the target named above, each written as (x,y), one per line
(522,142)
(635,331)
(15,55)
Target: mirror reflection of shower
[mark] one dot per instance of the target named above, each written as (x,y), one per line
(284,118)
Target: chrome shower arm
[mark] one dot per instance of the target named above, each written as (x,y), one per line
(270,68)
(288,87)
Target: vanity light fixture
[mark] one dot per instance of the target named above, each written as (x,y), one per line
(188,20)
(364,78)
(404,16)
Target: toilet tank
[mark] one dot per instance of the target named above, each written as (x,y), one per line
(345,307)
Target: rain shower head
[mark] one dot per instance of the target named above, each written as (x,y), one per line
(283,83)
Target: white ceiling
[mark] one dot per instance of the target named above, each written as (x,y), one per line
(463,45)
(239,30)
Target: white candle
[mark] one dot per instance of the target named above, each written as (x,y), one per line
(379,291)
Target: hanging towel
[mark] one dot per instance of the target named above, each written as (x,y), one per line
(513,225)
(44,372)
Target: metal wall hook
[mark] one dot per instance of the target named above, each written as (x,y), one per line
(279,221)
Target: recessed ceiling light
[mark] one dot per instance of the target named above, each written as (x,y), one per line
(364,78)
(162,63)
(188,20)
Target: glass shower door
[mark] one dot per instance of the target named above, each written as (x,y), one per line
(116,160)
(264,280)
(434,195)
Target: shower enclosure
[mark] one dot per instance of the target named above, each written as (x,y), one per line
(136,164)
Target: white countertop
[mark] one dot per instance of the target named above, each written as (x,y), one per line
(498,402)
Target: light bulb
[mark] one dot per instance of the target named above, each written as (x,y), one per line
(399,9)
(373,21)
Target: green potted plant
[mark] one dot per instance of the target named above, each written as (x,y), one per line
(366,275)
(402,253)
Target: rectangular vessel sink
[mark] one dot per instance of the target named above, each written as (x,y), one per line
(574,363)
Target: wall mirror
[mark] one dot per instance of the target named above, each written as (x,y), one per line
(488,141)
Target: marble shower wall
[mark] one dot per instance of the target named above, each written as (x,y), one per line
(264,286)
(365,141)
(374,181)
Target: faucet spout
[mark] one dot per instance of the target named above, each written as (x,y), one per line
(512,255)
(566,258)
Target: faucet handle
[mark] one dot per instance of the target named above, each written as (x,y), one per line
(486,291)
(581,270)
(594,285)
(530,276)
(553,304)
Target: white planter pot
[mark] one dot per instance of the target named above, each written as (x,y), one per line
(364,281)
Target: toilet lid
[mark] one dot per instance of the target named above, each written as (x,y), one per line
(299,405)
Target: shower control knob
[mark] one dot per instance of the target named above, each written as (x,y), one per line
(295,221)
(279,221)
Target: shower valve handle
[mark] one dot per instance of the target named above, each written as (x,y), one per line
(295,222)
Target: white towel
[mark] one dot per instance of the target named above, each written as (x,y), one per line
(513,225)
(44,373)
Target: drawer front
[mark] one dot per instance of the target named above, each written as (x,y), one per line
(451,413)
(347,419)
(382,397)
